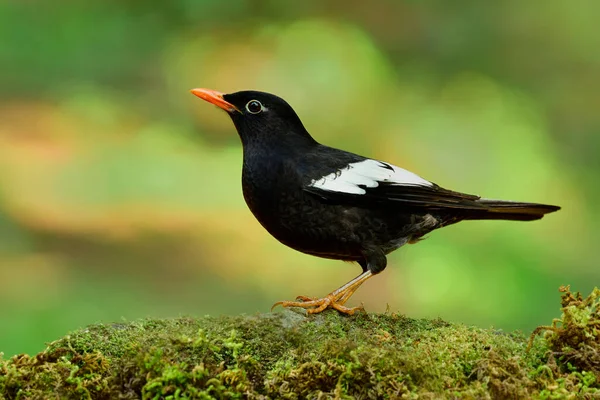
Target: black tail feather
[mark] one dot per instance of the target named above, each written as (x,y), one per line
(510,210)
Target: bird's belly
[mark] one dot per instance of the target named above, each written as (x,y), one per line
(304,223)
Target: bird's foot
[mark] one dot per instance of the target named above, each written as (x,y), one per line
(315,306)
(335,299)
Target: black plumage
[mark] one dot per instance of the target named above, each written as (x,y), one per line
(334,204)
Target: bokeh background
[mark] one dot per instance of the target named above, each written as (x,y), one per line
(120,192)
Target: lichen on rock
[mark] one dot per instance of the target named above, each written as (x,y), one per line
(290,355)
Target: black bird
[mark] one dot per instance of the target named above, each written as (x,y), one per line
(334,204)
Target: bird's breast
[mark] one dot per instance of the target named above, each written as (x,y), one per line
(262,188)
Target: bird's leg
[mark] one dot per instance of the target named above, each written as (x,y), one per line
(335,299)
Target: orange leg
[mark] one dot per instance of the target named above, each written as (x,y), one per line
(335,299)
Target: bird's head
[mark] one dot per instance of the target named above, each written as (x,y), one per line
(258,116)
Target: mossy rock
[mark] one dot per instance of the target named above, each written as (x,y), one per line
(289,355)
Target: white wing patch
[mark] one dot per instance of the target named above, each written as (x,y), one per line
(367,174)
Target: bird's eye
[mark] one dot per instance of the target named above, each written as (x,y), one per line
(254,107)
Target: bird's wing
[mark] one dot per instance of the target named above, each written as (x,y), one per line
(370,183)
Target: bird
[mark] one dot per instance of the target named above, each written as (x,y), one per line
(335,204)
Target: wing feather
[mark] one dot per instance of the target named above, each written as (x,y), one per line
(371,183)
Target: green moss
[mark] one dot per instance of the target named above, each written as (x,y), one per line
(573,341)
(291,356)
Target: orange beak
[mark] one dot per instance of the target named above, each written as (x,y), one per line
(214,97)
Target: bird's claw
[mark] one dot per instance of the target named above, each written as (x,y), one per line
(315,306)
(305,298)
(335,299)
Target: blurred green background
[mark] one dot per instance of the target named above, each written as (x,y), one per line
(120,192)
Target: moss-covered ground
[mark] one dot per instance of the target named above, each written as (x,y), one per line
(288,355)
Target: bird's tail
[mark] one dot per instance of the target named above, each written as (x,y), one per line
(510,210)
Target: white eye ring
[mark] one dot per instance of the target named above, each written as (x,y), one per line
(254,107)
